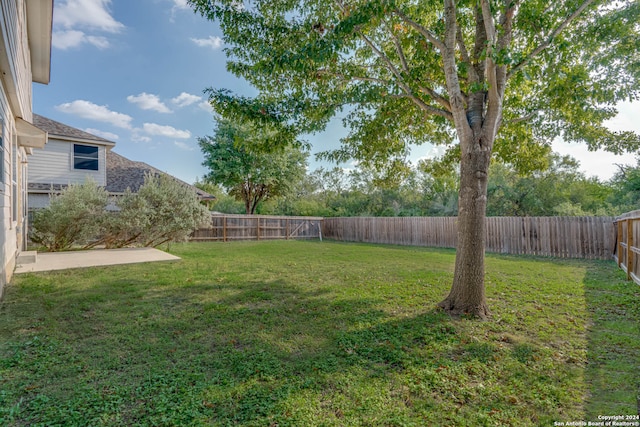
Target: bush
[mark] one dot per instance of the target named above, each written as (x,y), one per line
(163,210)
(74,217)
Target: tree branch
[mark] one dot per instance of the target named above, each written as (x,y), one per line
(399,50)
(506,22)
(473,75)
(422,30)
(521,119)
(494,105)
(405,87)
(437,97)
(549,39)
(490,70)
(456,98)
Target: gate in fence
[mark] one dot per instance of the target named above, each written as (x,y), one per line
(259,227)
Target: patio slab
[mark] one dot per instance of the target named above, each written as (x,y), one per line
(49,261)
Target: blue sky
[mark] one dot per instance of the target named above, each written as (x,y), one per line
(134,71)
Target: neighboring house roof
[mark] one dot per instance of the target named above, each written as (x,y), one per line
(62,131)
(123,173)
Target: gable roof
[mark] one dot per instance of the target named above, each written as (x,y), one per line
(57,129)
(123,173)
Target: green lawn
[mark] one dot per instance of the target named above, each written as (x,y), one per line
(307,333)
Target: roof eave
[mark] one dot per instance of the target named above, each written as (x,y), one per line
(39,27)
(108,144)
(30,136)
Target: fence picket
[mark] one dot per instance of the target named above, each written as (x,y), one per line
(564,237)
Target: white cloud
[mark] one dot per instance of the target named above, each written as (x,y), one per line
(73,38)
(89,14)
(148,101)
(183,146)
(204,105)
(139,138)
(104,134)
(168,131)
(185,99)
(100,113)
(180,4)
(98,41)
(77,21)
(212,42)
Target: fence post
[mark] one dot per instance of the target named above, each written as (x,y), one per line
(258,227)
(629,247)
(619,239)
(224,229)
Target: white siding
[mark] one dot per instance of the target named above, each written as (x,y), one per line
(17,59)
(9,237)
(54,165)
(38,201)
(15,101)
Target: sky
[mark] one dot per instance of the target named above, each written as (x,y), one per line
(134,72)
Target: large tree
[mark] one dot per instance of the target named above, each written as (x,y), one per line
(486,77)
(241,157)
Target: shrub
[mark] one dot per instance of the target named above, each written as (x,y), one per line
(74,217)
(162,211)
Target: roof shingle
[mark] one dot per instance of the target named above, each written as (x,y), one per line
(123,173)
(61,130)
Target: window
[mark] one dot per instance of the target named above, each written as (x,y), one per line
(85,157)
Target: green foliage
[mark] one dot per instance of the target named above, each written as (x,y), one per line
(74,217)
(431,189)
(559,190)
(382,63)
(240,159)
(626,184)
(316,334)
(223,202)
(163,210)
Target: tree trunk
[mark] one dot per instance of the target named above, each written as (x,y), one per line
(467,295)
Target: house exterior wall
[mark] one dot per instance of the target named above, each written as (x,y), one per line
(9,238)
(15,102)
(38,200)
(18,82)
(54,165)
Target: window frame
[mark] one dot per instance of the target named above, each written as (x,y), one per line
(80,158)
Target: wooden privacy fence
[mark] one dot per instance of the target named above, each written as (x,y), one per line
(259,227)
(628,244)
(563,237)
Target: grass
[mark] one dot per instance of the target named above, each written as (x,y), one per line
(317,334)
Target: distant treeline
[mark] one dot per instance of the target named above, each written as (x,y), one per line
(429,190)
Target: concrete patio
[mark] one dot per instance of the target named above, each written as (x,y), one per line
(48,261)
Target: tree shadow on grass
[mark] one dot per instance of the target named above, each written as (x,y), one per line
(122,353)
(613,343)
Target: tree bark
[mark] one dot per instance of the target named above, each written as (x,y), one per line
(467,295)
